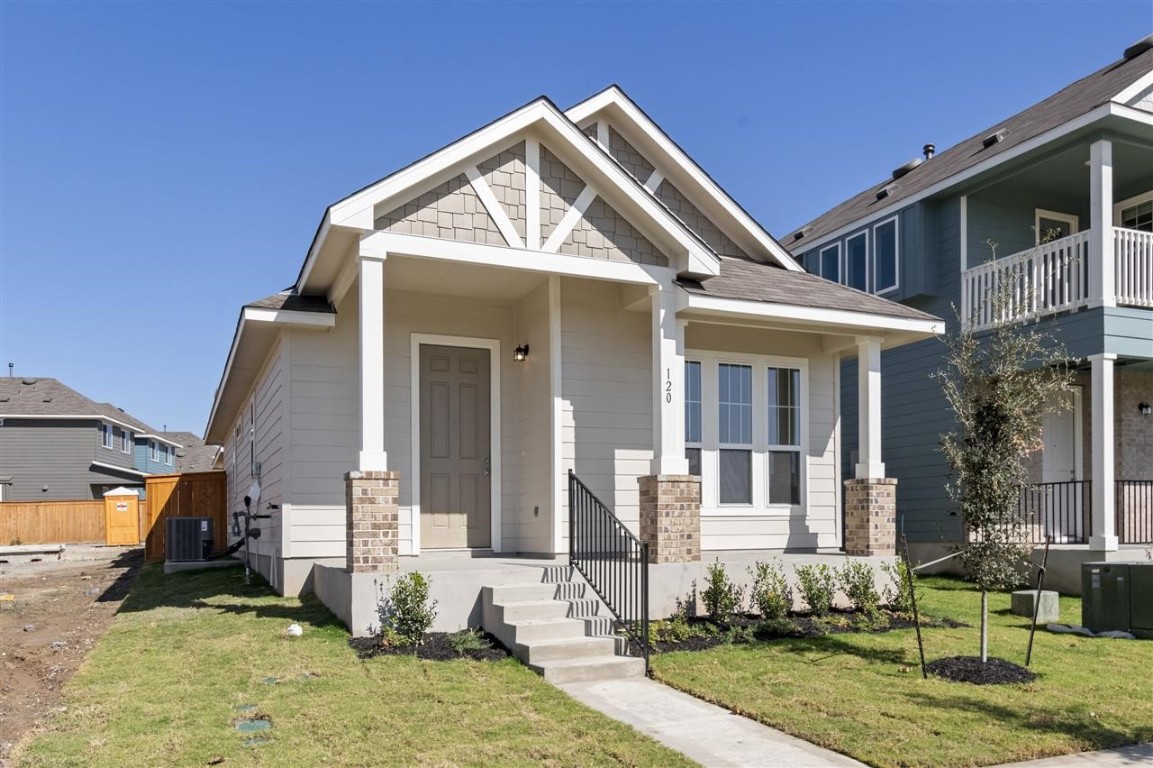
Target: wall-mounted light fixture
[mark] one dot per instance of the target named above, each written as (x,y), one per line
(520,353)
(1145,408)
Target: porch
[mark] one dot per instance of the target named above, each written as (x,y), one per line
(1054,277)
(1062,512)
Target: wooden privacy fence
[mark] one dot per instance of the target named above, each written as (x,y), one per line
(52,522)
(192,494)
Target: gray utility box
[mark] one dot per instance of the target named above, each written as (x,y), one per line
(188,539)
(1117,596)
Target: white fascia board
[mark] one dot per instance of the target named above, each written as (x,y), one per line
(859,321)
(316,246)
(1134,89)
(383,244)
(1131,113)
(290,317)
(125,470)
(224,376)
(135,430)
(614,97)
(1076,124)
(159,438)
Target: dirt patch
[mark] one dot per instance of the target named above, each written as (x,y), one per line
(970,669)
(58,609)
(437,646)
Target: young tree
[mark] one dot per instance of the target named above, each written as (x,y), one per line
(999,384)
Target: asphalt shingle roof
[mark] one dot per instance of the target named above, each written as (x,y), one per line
(293,302)
(194,456)
(39,396)
(751,281)
(1070,102)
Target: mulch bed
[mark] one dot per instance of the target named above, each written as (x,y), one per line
(970,669)
(709,634)
(437,646)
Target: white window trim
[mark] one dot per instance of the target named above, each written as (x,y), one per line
(864,234)
(106,436)
(717,445)
(710,434)
(821,262)
(699,444)
(896,256)
(1132,202)
(1071,219)
(127,440)
(154,450)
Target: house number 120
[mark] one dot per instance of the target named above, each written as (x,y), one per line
(668,385)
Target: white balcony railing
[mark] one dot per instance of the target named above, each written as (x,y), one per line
(1054,277)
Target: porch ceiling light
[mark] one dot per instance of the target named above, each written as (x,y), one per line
(1145,408)
(520,353)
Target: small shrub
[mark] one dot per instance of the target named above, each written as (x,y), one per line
(722,598)
(468,640)
(816,584)
(770,592)
(857,582)
(740,636)
(780,627)
(898,594)
(406,612)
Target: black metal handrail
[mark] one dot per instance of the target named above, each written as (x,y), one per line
(612,560)
(1059,512)
(1134,504)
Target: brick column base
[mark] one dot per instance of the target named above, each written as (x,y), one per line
(372,525)
(871,517)
(671,517)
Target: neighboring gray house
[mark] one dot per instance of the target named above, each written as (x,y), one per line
(57,444)
(1065,191)
(193,455)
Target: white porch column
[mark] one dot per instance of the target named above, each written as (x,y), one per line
(869,464)
(372,455)
(1102,264)
(669,385)
(1104,538)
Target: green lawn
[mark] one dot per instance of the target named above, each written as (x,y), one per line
(168,682)
(863,695)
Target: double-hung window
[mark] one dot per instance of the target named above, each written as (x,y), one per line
(885,256)
(857,262)
(154,449)
(830,262)
(784,435)
(106,435)
(168,451)
(693,433)
(735,433)
(126,442)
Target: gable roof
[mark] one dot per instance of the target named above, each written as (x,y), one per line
(627,116)
(750,281)
(193,455)
(1069,103)
(50,398)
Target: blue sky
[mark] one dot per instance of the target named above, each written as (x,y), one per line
(162,164)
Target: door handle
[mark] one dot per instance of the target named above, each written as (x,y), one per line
(487,469)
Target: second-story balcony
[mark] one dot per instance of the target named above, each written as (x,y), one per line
(1055,277)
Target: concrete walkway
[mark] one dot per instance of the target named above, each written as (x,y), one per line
(716,738)
(708,734)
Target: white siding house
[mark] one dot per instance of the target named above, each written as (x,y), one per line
(554,292)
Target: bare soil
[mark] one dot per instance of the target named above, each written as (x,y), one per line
(57,611)
(437,646)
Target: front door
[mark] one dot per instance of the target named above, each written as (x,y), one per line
(455,440)
(1063,510)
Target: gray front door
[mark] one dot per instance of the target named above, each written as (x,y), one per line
(455,439)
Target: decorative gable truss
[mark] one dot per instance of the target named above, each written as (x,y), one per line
(488,203)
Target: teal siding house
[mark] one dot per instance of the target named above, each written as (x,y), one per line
(1056,202)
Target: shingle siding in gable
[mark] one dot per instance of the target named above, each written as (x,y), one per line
(604,234)
(451,211)
(692,218)
(559,189)
(629,158)
(505,175)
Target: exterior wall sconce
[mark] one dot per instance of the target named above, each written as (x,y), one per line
(520,354)
(1145,408)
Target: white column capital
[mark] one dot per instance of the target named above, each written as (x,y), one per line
(370,248)
(1102,356)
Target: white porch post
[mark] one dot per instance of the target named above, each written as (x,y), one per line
(1104,538)
(668,385)
(372,454)
(1102,264)
(869,464)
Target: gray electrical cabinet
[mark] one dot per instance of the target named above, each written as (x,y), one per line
(1141,599)
(188,539)
(1105,596)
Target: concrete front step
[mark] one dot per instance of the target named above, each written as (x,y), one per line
(532,609)
(559,650)
(546,630)
(589,669)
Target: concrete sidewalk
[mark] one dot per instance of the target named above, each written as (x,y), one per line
(708,734)
(715,737)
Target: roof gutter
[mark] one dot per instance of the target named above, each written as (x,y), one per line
(864,322)
(135,430)
(125,470)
